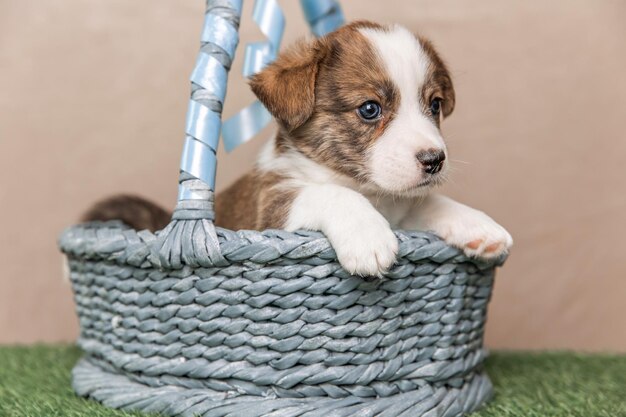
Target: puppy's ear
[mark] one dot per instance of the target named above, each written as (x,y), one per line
(438,78)
(287,86)
(449,97)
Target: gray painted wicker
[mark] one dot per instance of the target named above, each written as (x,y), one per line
(280,329)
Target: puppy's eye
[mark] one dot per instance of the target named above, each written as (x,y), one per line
(435,106)
(370,110)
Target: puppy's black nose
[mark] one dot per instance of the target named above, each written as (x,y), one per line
(431,160)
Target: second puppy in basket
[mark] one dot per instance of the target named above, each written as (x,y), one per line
(358,152)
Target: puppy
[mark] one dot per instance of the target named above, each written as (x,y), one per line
(358,149)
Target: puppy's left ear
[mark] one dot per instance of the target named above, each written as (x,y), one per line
(449,97)
(439,78)
(287,86)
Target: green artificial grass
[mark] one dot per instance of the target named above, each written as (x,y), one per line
(35,381)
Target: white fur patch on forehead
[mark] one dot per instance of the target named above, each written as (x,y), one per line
(400,50)
(392,160)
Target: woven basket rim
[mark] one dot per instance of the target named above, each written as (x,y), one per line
(117,242)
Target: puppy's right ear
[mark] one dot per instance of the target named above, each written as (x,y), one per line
(287,86)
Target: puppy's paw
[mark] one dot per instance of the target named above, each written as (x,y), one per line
(477,234)
(366,249)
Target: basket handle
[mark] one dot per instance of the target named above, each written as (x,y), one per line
(191,238)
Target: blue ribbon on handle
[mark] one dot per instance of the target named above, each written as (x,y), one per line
(209,78)
(242,127)
(190,238)
(324,16)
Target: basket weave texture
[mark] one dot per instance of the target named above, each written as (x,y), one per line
(280,329)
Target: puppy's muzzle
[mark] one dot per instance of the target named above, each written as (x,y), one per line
(431,159)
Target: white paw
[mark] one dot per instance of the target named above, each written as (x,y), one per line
(477,234)
(367,248)
(360,235)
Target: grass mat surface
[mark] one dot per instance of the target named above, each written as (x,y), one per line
(35,381)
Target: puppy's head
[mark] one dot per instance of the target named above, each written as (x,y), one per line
(366,101)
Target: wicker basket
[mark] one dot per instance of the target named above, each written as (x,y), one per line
(202,321)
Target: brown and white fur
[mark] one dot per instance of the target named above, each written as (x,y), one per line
(328,169)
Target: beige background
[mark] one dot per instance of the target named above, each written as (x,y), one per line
(93,97)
